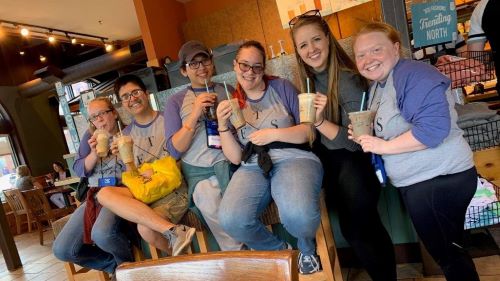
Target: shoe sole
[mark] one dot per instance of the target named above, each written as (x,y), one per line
(190,234)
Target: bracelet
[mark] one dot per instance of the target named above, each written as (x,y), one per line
(187,127)
(320,123)
(222,131)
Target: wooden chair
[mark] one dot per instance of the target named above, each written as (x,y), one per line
(220,266)
(191,220)
(71,271)
(324,239)
(42,212)
(19,208)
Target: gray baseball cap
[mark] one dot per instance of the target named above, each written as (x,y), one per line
(191,49)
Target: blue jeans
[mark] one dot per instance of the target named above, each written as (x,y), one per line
(293,184)
(111,247)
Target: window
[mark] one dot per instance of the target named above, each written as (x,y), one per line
(8,164)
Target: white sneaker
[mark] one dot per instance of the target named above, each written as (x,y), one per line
(179,238)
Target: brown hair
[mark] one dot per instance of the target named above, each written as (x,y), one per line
(338,60)
(256,45)
(391,33)
(23,171)
(110,105)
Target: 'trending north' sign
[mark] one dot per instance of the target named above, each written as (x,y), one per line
(434,22)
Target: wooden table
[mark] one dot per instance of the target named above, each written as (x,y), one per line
(67,181)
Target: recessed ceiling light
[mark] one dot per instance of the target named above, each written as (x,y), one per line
(25,32)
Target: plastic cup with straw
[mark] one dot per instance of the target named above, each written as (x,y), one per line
(211,112)
(125,148)
(306,105)
(361,120)
(236,118)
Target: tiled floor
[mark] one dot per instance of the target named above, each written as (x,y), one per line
(39,264)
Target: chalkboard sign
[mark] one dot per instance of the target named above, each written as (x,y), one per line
(434,22)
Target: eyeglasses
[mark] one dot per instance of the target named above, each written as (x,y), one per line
(134,93)
(311,13)
(98,115)
(256,68)
(196,63)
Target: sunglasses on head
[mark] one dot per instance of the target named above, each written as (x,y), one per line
(311,13)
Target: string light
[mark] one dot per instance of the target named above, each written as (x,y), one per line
(43,59)
(21,53)
(53,34)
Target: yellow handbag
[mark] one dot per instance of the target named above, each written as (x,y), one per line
(154,180)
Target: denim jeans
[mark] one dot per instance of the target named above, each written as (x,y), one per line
(293,184)
(111,248)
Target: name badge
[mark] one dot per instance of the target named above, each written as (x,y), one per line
(109,181)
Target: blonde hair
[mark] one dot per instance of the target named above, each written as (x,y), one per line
(338,61)
(389,31)
(110,105)
(23,171)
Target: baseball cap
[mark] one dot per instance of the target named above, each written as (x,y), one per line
(191,49)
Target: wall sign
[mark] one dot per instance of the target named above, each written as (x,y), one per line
(434,22)
(67,115)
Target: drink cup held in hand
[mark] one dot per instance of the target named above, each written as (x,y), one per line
(211,111)
(126,149)
(102,146)
(237,118)
(306,108)
(362,123)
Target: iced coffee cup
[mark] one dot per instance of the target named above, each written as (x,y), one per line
(102,147)
(362,123)
(126,149)
(237,118)
(306,108)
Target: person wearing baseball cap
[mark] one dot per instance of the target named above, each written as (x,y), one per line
(205,169)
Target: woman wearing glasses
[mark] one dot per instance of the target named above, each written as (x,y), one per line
(424,152)
(103,245)
(350,177)
(275,163)
(187,114)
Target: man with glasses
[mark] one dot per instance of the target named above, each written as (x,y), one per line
(157,222)
(205,169)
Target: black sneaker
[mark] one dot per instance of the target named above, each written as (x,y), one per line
(309,264)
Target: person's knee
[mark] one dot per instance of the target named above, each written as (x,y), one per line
(301,222)
(63,251)
(105,194)
(235,222)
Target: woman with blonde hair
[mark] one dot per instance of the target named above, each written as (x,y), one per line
(24,179)
(102,245)
(349,176)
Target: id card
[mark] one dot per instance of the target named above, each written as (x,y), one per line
(109,181)
(378,165)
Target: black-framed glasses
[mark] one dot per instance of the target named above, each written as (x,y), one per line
(196,63)
(256,68)
(311,13)
(98,115)
(134,93)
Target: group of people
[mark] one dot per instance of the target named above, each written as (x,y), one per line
(270,158)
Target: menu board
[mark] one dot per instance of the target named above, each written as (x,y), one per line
(434,22)
(288,9)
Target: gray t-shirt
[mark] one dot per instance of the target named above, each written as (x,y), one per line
(177,109)
(350,93)
(24,183)
(149,140)
(452,156)
(277,108)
